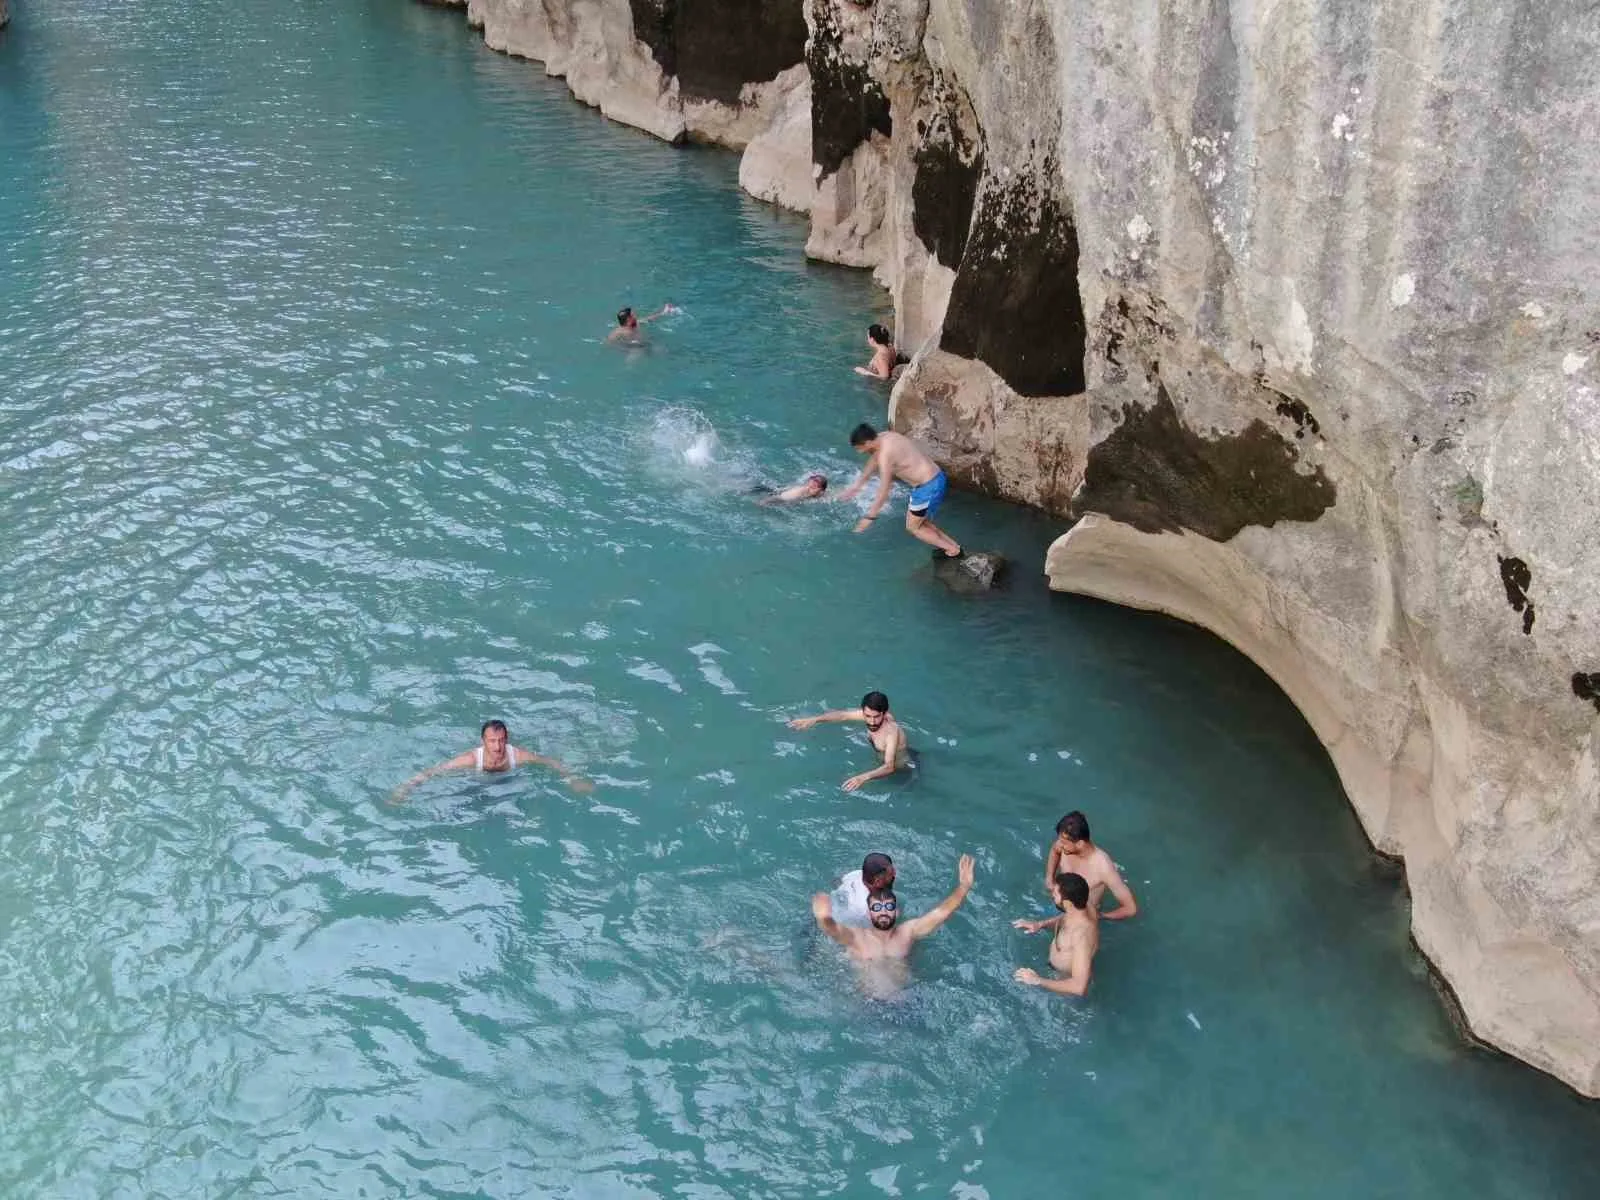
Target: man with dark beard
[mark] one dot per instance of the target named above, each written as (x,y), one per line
(881,950)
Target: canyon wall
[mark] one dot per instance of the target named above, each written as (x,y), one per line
(1287,307)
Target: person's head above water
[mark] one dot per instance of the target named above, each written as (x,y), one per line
(877,335)
(864,438)
(494,735)
(626,319)
(816,483)
(877,872)
(1072,829)
(883,910)
(874,709)
(1071,888)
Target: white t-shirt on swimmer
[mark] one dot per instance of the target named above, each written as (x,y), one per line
(850,899)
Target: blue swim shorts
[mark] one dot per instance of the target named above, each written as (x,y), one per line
(927,497)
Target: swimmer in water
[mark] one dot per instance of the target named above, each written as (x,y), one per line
(1073,851)
(855,890)
(494,755)
(887,738)
(880,951)
(629,332)
(812,487)
(1077,938)
(894,456)
(885,358)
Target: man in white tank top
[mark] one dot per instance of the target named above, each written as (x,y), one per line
(494,754)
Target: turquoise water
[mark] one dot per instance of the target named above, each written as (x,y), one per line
(312,460)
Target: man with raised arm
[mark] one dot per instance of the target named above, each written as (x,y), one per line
(627,332)
(894,456)
(880,951)
(1077,938)
(1073,851)
(494,754)
(888,739)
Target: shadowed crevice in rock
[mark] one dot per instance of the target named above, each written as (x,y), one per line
(1015,302)
(1586,686)
(949,168)
(847,105)
(1158,476)
(715,47)
(1517,578)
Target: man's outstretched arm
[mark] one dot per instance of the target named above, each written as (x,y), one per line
(885,488)
(459,763)
(822,910)
(571,778)
(834,714)
(921,927)
(870,466)
(1127,906)
(890,764)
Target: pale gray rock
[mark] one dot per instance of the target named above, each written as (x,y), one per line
(977,571)
(1292,303)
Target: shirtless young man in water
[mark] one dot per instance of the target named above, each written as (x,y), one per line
(894,456)
(1077,938)
(888,739)
(493,755)
(627,332)
(1073,851)
(880,952)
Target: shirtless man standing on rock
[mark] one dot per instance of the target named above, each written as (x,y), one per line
(1073,851)
(1077,938)
(895,456)
(880,952)
(888,739)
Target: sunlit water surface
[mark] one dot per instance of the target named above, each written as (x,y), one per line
(312,459)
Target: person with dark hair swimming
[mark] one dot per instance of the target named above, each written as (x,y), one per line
(628,331)
(494,754)
(857,888)
(885,358)
(813,487)
(1077,938)
(1073,851)
(894,456)
(887,738)
(880,951)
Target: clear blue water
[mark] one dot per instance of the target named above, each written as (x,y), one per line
(311,459)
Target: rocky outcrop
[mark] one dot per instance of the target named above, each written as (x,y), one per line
(1288,307)
(718,71)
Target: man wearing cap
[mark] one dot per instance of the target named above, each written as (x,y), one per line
(852,892)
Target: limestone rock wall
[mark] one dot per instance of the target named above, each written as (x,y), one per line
(1293,304)
(1289,306)
(720,71)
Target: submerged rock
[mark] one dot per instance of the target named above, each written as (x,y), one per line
(980,571)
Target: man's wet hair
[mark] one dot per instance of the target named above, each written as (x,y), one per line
(878,897)
(1074,889)
(880,335)
(497,724)
(819,479)
(862,434)
(876,701)
(623,314)
(1074,827)
(875,866)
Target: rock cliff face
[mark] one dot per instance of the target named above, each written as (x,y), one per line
(1288,305)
